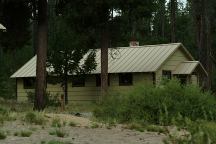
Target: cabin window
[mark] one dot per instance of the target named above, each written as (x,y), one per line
(98,80)
(125,79)
(29,83)
(78,81)
(167,74)
(182,79)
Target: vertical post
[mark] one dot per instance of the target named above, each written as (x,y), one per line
(62,102)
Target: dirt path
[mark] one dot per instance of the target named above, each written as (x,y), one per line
(82,134)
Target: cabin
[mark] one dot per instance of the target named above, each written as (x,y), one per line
(127,67)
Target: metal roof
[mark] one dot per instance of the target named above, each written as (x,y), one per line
(147,58)
(187,67)
(2,27)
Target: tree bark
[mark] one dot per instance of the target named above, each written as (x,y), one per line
(104,60)
(41,55)
(66,80)
(173,20)
(208,49)
(203,37)
(34,26)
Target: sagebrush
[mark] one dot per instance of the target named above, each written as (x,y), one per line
(168,103)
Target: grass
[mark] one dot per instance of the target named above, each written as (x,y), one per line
(94,125)
(35,118)
(59,133)
(58,142)
(56,122)
(135,126)
(72,124)
(25,133)
(162,105)
(155,128)
(2,135)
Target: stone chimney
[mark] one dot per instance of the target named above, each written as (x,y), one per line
(134,43)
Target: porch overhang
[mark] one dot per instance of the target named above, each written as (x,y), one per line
(188,67)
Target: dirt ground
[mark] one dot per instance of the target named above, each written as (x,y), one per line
(82,133)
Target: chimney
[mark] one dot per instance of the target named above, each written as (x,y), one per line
(134,43)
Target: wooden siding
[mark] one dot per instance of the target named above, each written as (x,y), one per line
(90,92)
(171,63)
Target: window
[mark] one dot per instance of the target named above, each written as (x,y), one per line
(182,79)
(29,83)
(125,79)
(167,74)
(78,81)
(98,80)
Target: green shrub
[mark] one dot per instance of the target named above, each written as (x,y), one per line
(35,118)
(6,115)
(94,125)
(56,122)
(154,128)
(51,100)
(58,133)
(135,126)
(163,104)
(25,133)
(72,124)
(56,142)
(2,135)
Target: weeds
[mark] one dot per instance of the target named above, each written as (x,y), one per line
(56,123)
(2,135)
(58,133)
(72,124)
(154,128)
(161,105)
(135,126)
(25,133)
(35,118)
(94,125)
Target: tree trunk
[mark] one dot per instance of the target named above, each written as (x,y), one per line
(66,80)
(65,84)
(203,37)
(173,20)
(162,18)
(34,26)
(41,55)
(104,61)
(208,58)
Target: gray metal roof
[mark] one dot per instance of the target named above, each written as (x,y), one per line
(146,58)
(27,70)
(2,27)
(187,67)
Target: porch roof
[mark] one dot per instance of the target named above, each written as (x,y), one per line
(188,67)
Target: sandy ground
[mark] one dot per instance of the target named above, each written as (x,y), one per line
(81,134)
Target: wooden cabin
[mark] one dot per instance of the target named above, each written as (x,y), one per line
(127,67)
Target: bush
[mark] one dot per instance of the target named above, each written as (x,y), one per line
(56,122)
(72,124)
(35,118)
(165,104)
(58,133)
(2,135)
(51,100)
(25,133)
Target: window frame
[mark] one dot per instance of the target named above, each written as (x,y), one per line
(167,74)
(27,81)
(121,76)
